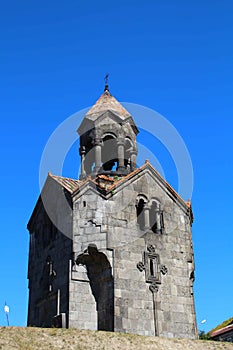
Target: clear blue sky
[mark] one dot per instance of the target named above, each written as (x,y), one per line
(175,57)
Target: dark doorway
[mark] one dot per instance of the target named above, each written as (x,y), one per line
(101,281)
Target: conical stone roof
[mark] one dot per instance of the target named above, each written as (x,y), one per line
(107,102)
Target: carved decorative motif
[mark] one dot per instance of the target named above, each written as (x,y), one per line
(154,288)
(164,270)
(152,264)
(141,266)
(151,248)
(153,269)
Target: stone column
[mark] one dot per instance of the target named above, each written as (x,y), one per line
(121,154)
(82,153)
(162,222)
(146,212)
(158,218)
(97,147)
(133,155)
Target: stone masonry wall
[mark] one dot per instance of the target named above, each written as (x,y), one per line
(50,253)
(141,306)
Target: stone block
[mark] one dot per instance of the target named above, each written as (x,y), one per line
(91,326)
(138,303)
(118,323)
(183,291)
(167,316)
(126,324)
(117,311)
(179,317)
(122,273)
(173,290)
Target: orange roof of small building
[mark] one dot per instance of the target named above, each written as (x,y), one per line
(222,328)
(222,331)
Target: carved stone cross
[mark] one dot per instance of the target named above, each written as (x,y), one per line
(152,267)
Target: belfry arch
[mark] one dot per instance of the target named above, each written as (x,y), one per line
(109,152)
(107,139)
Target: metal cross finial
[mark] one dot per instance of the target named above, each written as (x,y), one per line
(106,78)
(106,82)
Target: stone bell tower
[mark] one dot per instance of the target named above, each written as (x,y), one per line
(107,139)
(119,256)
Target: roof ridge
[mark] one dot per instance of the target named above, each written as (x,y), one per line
(187,204)
(68,183)
(62,177)
(147,163)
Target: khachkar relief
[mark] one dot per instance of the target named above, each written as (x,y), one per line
(152,267)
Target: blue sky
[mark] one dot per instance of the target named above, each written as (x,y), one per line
(175,57)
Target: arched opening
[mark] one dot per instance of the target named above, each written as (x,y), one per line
(140,213)
(154,216)
(89,161)
(100,276)
(109,153)
(86,151)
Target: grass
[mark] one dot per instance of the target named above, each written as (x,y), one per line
(20,338)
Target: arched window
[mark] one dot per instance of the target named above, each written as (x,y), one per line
(140,205)
(156,217)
